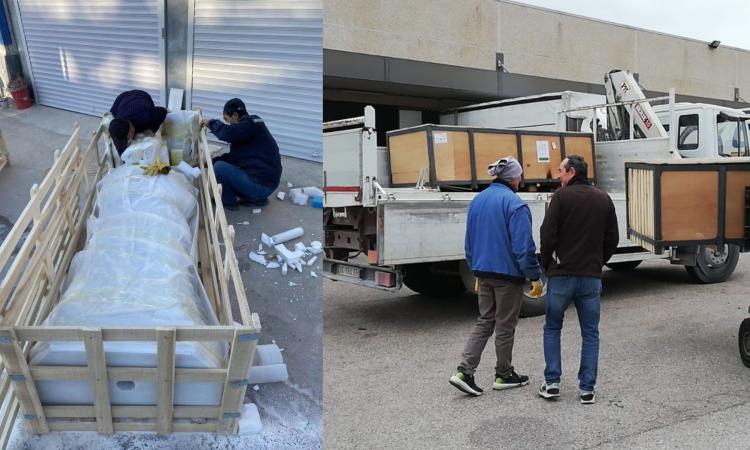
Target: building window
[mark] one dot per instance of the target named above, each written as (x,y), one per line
(687,137)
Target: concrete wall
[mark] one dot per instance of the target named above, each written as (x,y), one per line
(533,41)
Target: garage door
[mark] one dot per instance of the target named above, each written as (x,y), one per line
(269,54)
(84,52)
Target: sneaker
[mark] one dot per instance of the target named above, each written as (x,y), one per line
(588,397)
(465,383)
(549,390)
(511,381)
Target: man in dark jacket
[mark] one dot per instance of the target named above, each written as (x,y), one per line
(578,236)
(134,112)
(501,253)
(252,169)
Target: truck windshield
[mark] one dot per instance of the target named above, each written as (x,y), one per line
(731,136)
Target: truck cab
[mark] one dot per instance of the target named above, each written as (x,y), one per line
(706,131)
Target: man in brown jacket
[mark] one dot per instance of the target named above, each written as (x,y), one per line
(579,234)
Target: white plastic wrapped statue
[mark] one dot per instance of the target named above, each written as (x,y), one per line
(144,149)
(128,189)
(181,129)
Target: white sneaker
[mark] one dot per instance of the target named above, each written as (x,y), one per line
(549,390)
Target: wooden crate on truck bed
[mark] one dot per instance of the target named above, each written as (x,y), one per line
(687,202)
(49,231)
(458,156)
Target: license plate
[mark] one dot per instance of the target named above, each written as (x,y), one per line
(349,271)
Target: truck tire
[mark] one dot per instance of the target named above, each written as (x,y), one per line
(744,341)
(532,307)
(422,279)
(712,265)
(623,266)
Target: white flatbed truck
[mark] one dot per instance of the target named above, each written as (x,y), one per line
(382,237)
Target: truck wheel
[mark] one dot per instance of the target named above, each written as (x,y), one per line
(421,278)
(744,341)
(623,266)
(532,307)
(714,264)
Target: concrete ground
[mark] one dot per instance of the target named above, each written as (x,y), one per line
(670,375)
(291,316)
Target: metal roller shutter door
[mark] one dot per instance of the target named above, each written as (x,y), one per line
(83,53)
(269,53)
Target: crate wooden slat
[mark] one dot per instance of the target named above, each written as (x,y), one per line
(459,156)
(55,221)
(687,202)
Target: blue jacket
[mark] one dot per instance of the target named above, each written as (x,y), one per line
(252,148)
(499,243)
(138,107)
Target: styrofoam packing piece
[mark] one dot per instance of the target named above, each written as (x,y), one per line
(299,246)
(314,251)
(281,195)
(312,260)
(260,247)
(285,236)
(256,211)
(312,191)
(313,274)
(298,197)
(244,223)
(250,420)
(260,259)
(256,388)
(279,259)
(188,170)
(292,284)
(289,185)
(266,239)
(298,266)
(269,373)
(273,265)
(262,253)
(316,244)
(284,269)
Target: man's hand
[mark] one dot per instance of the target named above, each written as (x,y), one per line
(204,122)
(476,285)
(537,288)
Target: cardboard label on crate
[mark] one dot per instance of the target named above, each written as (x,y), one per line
(440,138)
(542,151)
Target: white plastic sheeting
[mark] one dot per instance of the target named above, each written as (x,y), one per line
(137,269)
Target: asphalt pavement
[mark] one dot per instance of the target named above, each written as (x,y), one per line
(670,375)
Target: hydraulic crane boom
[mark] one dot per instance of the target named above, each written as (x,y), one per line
(621,86)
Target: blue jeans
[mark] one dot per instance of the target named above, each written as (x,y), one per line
(585,293)
(235,182)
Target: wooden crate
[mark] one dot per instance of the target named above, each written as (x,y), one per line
(57,214)
(459,156)
(687,202)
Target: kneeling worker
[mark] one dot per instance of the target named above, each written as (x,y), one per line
(501,253)
(251,170)
(134,112)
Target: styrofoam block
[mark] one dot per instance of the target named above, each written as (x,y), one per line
(312,260)
(281,195)
(267,354)
(312,191)
(287,235)
(250,420)
(272,373)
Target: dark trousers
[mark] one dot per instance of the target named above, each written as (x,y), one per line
(499,306)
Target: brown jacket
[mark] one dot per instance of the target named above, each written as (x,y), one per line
(579,233)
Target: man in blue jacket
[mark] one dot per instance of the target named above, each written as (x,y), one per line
(251,170)
(501,253)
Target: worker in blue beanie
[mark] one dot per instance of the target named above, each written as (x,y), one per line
(134,112)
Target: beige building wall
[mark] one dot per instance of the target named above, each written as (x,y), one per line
(534,41)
